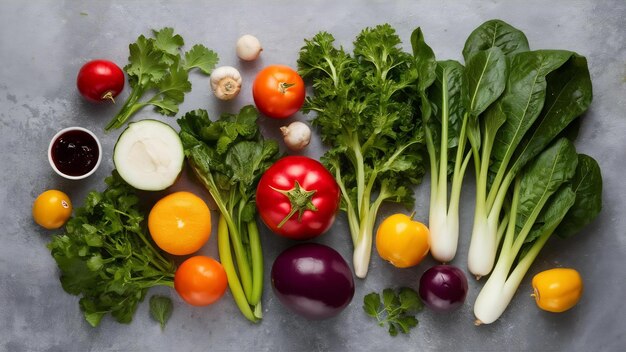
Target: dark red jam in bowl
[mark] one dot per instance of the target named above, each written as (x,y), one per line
(75,153)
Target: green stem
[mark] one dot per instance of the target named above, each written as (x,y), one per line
(128,109)
(257,263)
(227,262)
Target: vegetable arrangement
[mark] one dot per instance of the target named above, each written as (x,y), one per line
(381,111)
(228,156)
(363,105)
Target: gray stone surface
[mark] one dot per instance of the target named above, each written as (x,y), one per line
(44,43)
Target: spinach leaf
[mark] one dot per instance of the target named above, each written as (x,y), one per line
(495,33)
(486,74)
(568,95)
(552,168)
(523,100)
(587,185)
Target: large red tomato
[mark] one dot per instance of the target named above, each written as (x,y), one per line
(297,198)
(278,91)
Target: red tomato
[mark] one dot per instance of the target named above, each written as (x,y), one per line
(200,280)
(297,198)
(100,80)
(278,91)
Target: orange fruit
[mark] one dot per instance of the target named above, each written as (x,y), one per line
(180,223)
(52,209)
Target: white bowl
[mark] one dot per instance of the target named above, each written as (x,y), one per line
(75,128)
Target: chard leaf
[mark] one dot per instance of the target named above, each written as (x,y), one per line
(486,73)
(447,96)
(495,33)
(587,185)
(523,100)
(424,60)
(568,95)
(553,213)
(544,176)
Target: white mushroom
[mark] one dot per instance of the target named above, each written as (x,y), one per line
(225,82)
(297,135)
(248,47)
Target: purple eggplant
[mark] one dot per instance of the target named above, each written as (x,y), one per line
(312,280)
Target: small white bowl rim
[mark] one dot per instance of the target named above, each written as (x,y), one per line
(74,128)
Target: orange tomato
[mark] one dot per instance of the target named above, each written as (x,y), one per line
(402,241)
(278,91)
(52,209)
(200,280)
(180,223)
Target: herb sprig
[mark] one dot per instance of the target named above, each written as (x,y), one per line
(156,66)
(396,309)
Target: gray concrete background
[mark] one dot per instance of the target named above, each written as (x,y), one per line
(44,43)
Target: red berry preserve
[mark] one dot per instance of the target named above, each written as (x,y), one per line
(75,153)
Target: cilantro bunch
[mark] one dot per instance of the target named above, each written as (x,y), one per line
(365,112)
(157,70)
(106,258)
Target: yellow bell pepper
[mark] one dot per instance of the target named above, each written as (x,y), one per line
(557,290)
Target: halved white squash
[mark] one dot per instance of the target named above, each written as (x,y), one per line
(149,155)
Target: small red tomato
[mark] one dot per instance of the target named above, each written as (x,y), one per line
(100,80)
(297,198)
(278,91)
(200,280)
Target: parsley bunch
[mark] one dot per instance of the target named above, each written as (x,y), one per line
(395,309)
(156,67)
(105,257)
(365,112)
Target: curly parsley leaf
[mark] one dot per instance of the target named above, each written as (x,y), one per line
(158,73)
(396,309)
(364,105)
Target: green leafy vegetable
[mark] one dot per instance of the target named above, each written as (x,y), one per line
(537,104)
(161,309)
(558,189)
(229,156)
(156,68)
(105,256)
(396,309)
(364,106)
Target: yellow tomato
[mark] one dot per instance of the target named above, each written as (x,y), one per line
(51,209)
(402,241)
(557,290)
